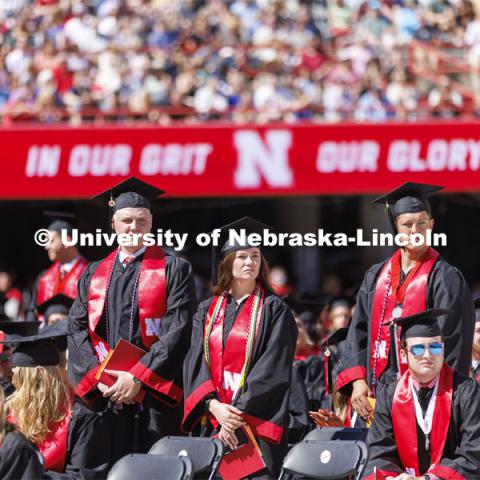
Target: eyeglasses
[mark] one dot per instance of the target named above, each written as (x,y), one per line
(435,348)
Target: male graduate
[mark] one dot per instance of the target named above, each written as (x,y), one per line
(145,297)
(427,424)
(412,279)
(64,273)
(475,371)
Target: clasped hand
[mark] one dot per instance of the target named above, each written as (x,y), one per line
(124,390)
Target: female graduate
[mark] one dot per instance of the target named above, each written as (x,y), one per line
(239,368)
(41,405)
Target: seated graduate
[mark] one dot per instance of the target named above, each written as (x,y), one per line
(241,371)
(19,457)
(440,405)
(42,402)
(55,309)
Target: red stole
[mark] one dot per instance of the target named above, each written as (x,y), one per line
(152,297)
(54,445)
(50,283)
(415,300)
(405,424)
(227,366)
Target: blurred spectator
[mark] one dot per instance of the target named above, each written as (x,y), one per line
(239,60)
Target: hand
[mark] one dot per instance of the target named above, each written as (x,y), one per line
(359,399)
(102,387)
(229,417)
(324,418)
(124,390)
(405,476)
(229,439)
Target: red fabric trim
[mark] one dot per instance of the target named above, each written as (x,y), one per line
(264,429)
(404,421)
(54,446)
(414,301)
(445,473)
(14,294)
(349,375)
(381,475)
(196,396)
(156,382)
(87,383)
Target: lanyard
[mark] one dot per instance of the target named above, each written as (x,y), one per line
(425,423)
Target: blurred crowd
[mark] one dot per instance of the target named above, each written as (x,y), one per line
(237,60)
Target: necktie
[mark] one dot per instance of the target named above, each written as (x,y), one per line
(128,260)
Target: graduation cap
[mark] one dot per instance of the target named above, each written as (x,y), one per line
(408,198)
(19,328)
(340,301)
(422,324)
(60,221)
(129,193)
(59,303)
(336,337)
(38,349)
(228,243)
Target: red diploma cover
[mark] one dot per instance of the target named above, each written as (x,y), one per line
(244,460)
(123,357)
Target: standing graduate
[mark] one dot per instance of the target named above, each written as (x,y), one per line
(427,424)
(412,279)
(64,273)
(145,297)
(241,372)
(475,371)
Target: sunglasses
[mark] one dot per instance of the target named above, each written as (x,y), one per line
(418,350)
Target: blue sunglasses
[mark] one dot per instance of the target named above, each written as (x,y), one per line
(435,348)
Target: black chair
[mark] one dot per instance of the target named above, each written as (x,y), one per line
(337,433)
(325,460)
(152,467)
(205,453)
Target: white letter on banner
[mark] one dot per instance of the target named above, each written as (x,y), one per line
(79,159)
(269,158)
(43,161)
(437,155)
(398,155)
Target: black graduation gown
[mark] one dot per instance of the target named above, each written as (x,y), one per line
(98,434)
(19,458)
(298,420)
(267,390)
(462,446)
(446,288)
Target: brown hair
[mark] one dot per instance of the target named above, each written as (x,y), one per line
(225,275)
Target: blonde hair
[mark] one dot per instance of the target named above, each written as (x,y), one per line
(43,395)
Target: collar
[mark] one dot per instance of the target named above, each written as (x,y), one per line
(66,267)
(475,364)
(419,385)
(122,255)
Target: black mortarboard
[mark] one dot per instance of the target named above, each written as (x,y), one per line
(336,337)
(11,327)
(422,324)
(41,349)
(60,221)
(57,304)
(129,193)
(340,301)
(408,198)
(230,242)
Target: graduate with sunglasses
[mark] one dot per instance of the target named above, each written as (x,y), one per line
(413,279)
(239,368)
(427,424)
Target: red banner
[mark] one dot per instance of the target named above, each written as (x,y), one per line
(214,160)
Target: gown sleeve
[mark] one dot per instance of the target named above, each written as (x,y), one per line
(82,361)
(450,290)
(197,381)
(355,365)
(465,462)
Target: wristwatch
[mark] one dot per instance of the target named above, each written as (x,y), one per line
(137,381)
